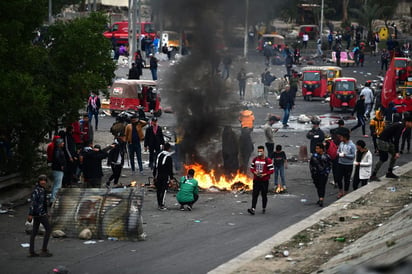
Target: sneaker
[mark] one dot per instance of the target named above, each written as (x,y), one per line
(162,208)
(366,136)
(391,175)
(251,211)
(142,173)
(33,254)
(182,208)
(374,178)
(189,208)
(263,210)
(45,254)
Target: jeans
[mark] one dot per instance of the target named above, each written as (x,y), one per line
(135,148)
(57,183)
(280,170)
(361,122)
(286,112)
(154,73)
(92,113)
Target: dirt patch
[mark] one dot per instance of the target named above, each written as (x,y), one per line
(312,247)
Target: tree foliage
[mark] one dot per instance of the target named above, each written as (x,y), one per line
(40,85)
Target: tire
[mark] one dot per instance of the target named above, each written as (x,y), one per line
(331,109)
(113,113)
(310,98)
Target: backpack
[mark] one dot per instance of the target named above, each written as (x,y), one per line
(332,149)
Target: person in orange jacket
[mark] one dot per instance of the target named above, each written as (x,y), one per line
(246,119)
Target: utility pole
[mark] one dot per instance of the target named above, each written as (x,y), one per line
(132,30)
(246,29)
(139,46)
(321,20)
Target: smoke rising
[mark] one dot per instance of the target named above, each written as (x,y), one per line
(194,89)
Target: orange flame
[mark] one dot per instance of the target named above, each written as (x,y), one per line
(208,180)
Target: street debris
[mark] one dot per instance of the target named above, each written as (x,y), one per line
(89,242)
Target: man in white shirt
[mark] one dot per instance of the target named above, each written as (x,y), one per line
(368,93)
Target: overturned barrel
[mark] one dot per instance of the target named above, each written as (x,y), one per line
(106,213)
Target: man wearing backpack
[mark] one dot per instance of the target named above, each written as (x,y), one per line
(262,168)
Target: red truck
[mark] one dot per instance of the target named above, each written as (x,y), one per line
(120,30)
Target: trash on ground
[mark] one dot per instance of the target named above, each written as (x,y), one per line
(269,256)
(286,253)
(89,242)
(25,245)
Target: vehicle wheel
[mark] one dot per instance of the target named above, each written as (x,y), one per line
(310,98)
(305,98)
(113,113)
(331,109)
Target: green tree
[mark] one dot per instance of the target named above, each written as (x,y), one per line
(41,85)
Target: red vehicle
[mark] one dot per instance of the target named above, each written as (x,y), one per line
(401,67)
(344,93)
(130,94)
(314,82)
(120,31)
(277,41)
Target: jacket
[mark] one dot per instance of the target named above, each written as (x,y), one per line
(38,204)
(365,167)
(92,163)
(163,168)
(153,140)
(59,160)
(262,166)
(319,165)
(139,127)
(392,134)
(188,188)
(116,154)
(286,100)
(315,135)
(359,108)
(246,118)
(349,149)
(377,124)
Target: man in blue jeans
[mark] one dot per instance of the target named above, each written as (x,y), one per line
(134,136)
(286,103)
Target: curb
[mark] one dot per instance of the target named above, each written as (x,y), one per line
(288,233)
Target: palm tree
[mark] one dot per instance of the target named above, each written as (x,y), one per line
(368,13)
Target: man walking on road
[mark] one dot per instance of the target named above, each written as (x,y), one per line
(134,136)
(163,172)
(261,168)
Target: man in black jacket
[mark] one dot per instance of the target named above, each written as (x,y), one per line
(286,103)
(360,114)
(388,143)
(153,139)
(163,172)
(38,214)
(91,160)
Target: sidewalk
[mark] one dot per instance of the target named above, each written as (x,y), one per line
(311,245)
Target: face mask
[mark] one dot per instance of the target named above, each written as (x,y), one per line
(260,153)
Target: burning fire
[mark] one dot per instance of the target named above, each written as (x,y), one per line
(208,180)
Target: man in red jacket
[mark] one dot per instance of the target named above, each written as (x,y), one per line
(262,168)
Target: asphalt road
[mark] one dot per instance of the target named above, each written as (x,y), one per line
(218,229)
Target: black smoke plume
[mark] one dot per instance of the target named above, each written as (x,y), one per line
(194,88)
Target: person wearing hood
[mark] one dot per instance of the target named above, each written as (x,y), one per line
(163,173)
(377,125)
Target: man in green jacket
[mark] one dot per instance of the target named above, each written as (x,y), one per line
(188,192)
